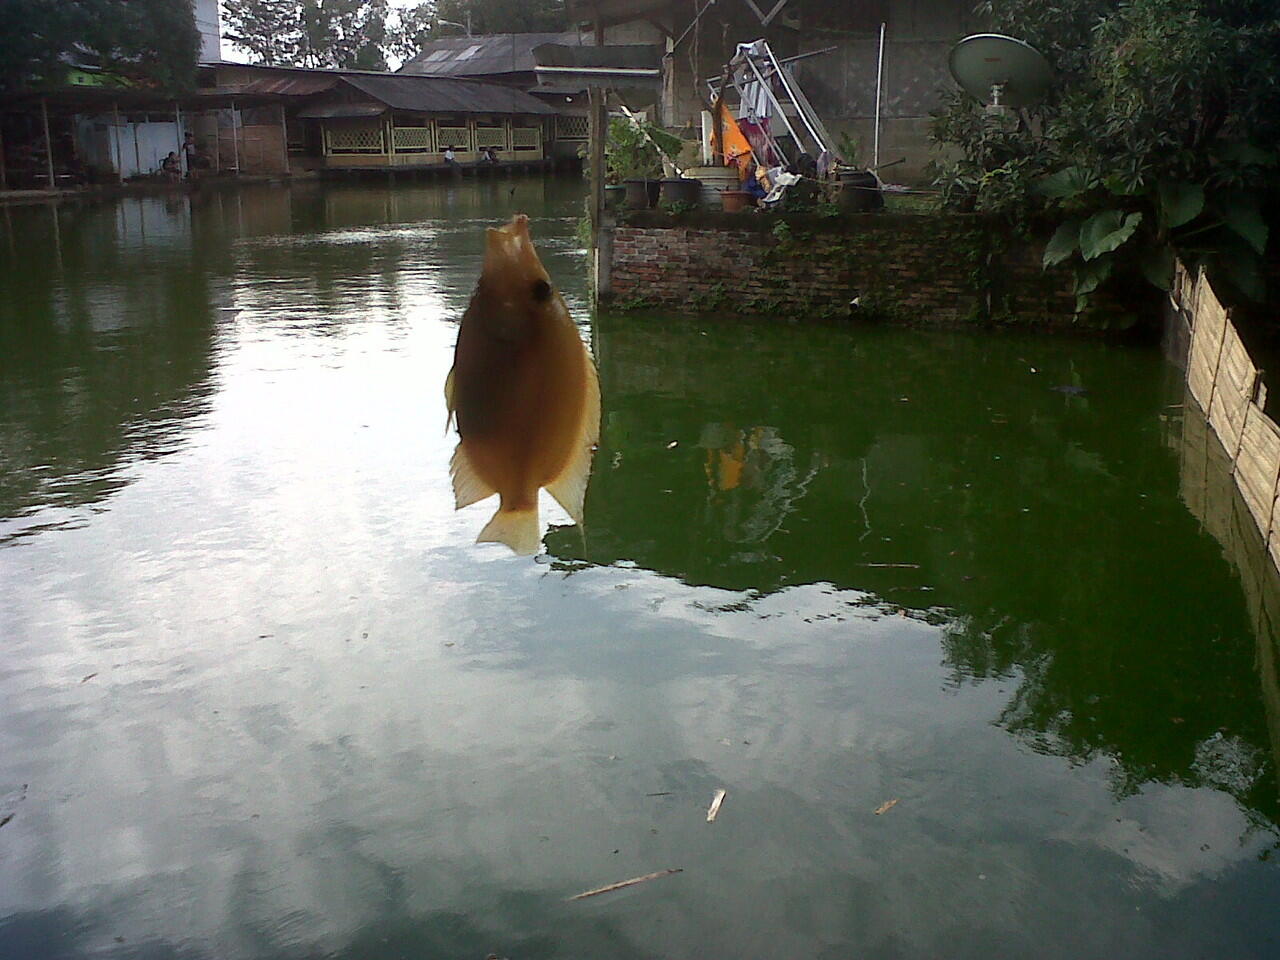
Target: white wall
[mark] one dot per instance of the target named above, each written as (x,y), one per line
(154,140)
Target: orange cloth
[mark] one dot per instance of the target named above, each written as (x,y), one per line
(731,143)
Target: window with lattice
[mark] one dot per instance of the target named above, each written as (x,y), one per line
(526,138)
(412,139)
(491,137)
(457,137)
(570,126)
(356,138)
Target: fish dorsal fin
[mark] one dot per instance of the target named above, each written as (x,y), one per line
(468,488)
(570,487)
(448,400)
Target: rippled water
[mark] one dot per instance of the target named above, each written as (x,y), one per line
(262,697)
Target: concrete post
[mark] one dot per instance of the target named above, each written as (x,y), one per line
(115,129)
(235,139)
(284,139)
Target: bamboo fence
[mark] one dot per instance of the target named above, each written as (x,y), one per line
(1228,388)
(1230,469)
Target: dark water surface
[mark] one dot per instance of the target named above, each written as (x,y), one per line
(269,700)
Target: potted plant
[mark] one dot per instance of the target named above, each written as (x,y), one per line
(633,158)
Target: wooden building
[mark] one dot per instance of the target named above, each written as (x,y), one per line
(507,58)
(359,120)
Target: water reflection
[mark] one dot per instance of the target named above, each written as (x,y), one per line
(943,478)
(110,323)
(271,701)
(106,349)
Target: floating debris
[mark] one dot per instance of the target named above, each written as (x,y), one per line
(886,806)
(626,883)
(86,679)
(1071,390)
(9,804)
(714,810)
(673,444)
(660,793)
(892,566)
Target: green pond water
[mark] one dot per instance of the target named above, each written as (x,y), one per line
(261,696)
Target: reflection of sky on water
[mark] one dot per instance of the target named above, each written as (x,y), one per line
(320,720)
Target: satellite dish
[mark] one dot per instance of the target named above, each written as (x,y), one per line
(1000,71)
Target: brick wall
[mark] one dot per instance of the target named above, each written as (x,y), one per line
(939,270)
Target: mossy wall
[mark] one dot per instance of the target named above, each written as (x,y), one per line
(934,270)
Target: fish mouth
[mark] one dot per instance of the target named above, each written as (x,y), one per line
(511,237)
(511,246)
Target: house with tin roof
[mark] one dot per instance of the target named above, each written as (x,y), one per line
(507,58)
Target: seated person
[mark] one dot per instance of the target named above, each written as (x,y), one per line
(751,184)
(489,155)
(170,169)
(449,158)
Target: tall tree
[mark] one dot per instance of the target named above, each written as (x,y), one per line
(409,28)
(504,16)
(269,30)
(151,42)
(346,34)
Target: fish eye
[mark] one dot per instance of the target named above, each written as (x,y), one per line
(541,290)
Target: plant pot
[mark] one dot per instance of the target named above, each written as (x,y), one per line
(614,195)
(680,190)
(735,200)
(714,180)
(642,194)
(859,191)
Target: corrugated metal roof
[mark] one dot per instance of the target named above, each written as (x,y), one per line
(444,95)
(498,53)
(296,86)
(330,111)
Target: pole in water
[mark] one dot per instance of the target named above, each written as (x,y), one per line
(48,142)
(875,150)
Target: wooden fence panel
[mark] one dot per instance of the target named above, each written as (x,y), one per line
(1256,466)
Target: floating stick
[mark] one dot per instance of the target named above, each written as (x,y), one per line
(715,805)
(626,883)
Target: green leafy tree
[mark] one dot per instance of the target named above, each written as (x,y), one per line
(346,34)
(1160,138)
(150,42)
(504,16)
(272,31)
(408,28)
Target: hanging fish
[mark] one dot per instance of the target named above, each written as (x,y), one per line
(524,393)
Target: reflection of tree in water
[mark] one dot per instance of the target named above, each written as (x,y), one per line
(1043,530)
(106,348)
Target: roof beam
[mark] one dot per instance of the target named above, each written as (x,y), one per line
(767,18)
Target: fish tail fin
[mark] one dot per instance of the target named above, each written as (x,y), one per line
(518,529)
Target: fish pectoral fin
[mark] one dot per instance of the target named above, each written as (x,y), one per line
(518,529)
(570,486)
(468,488)
(448,400)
